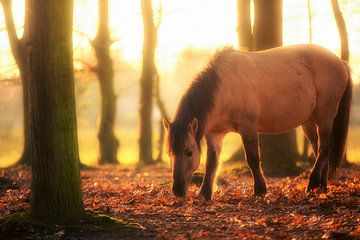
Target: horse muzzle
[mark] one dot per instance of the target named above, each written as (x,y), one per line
(179,189)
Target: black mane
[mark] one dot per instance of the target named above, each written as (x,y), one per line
(197,102)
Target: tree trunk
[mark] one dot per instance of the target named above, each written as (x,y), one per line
(163,113)
(19,52)
(340,23)
(245,42)
(245,36)
(310,20)
(55,189)
(104,70)
(146,81)
(306,157)
(278,152)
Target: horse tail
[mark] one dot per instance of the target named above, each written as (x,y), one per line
(341,125)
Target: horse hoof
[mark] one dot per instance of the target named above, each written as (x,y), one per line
(205,195)
(260,189)
(323,189)
(260,193)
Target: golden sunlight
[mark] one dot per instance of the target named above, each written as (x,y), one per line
(188,31)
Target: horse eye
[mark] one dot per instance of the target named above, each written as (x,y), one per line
(188,153)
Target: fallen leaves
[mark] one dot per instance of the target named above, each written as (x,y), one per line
(144,196)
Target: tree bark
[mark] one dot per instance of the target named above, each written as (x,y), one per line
(305,157)
(19,52)
(310,20)
(245,42)
(108,142)
(146,81)
(163,113)
(245,36)
(340,23)
(55,189)
(278,152)
(341,26)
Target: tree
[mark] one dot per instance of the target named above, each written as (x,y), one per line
(245,42)
(108,143)
(147,83)
(340,23)
(55,189)
(18,49)
(305,154)
(245,36)
(164,114)
(278,152)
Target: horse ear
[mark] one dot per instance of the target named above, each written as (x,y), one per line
(166,124)
(193,126)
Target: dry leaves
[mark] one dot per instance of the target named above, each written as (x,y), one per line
(144,196)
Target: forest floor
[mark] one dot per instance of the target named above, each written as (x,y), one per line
(143,196)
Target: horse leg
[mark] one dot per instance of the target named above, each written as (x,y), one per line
(324,177)
(214,142)
(251,146)
(316,179)
(310,131)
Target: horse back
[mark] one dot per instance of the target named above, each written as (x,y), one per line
(277,89)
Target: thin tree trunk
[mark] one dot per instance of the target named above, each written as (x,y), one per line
(340,23)
(19,52)
(163,113)
(55,189)
(146,81)
(108,142)
(278,152)
(310,20)
(341,26)
(245,42)
(305,154)
(245,36)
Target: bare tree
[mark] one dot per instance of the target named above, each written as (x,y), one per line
(105,73)
(341,26)
(55,188)
(244,30)
(18,49)
(305,154)
(147,83)
(340,23)
(278,152)
(310,19)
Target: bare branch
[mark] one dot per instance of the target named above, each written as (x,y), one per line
(310,20)
(342,30)
(15,43)
(158,98)
(160,15)
(90,67)
(84,35)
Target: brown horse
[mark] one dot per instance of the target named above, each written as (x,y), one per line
(270,91)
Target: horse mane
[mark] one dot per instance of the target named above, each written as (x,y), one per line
(197,102)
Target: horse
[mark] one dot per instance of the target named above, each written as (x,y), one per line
(271,91)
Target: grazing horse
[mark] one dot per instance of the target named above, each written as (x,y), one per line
(270,91)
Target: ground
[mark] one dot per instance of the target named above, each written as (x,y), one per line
(143,196)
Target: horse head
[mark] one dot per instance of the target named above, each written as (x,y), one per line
(184,153)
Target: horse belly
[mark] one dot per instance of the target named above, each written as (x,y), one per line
(287,104)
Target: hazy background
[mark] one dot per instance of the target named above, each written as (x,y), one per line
(190,31)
